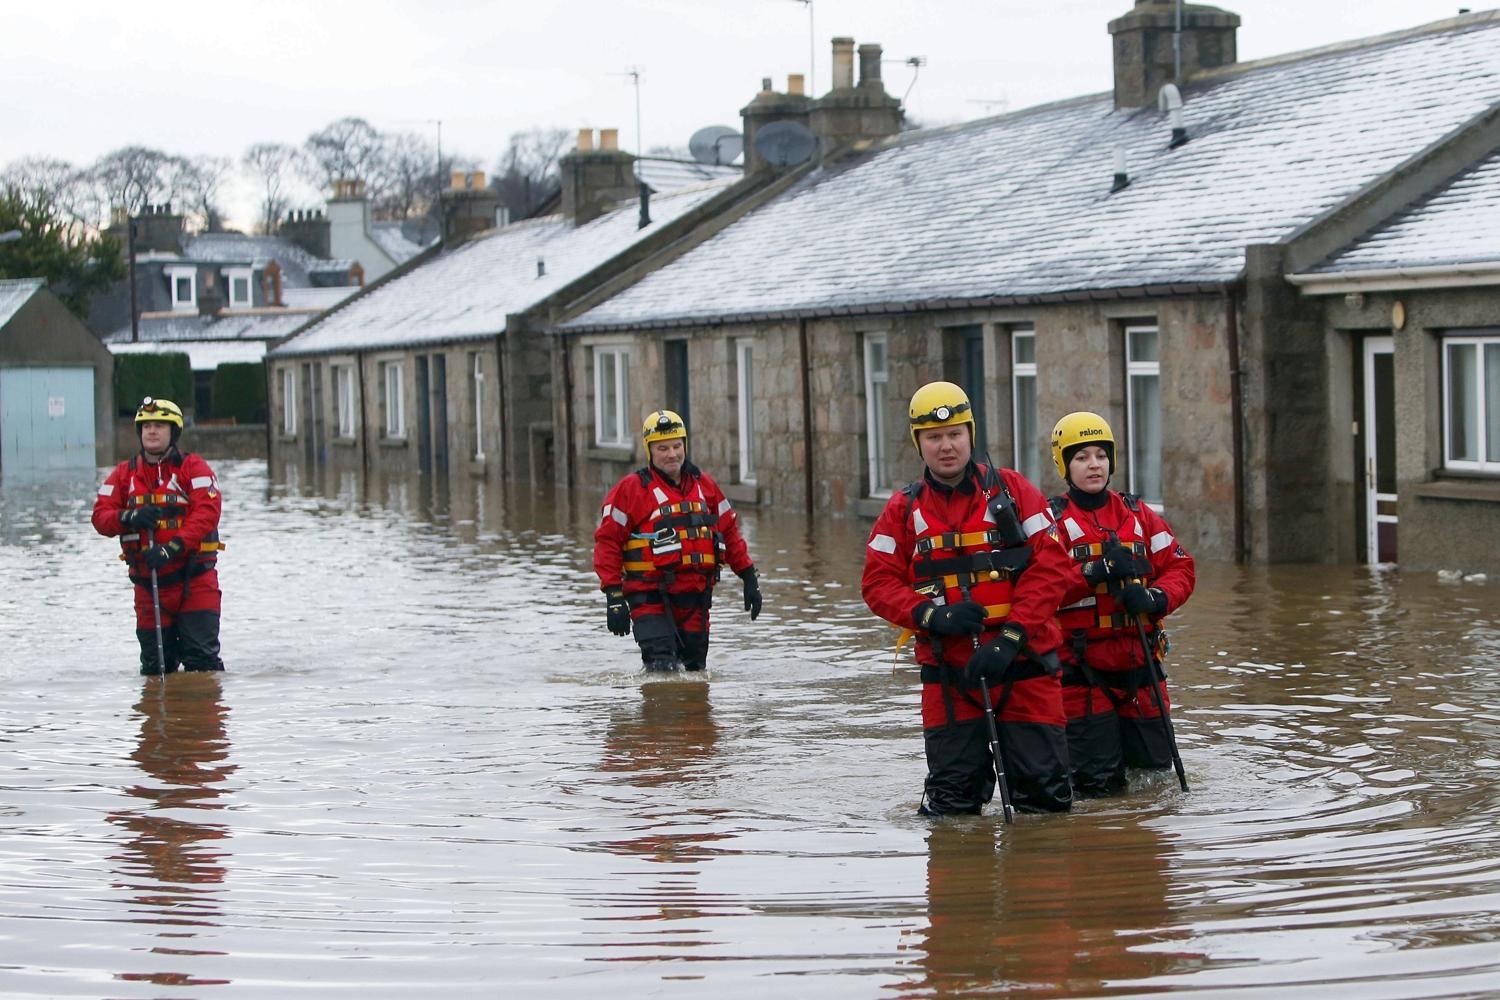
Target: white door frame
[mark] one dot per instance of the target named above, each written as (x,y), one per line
(1372,347)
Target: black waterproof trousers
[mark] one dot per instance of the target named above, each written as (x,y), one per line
(192,640)
(664,647)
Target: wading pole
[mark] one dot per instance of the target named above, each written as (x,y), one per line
(1158,676)
(1006,809)
(161,656)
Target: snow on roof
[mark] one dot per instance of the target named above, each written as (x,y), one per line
(1457,224)
(203,355)
(14,293)
(467,292)
(316,299)
(258,251)
(389,237)
(669,175)
(1021,204)
(261,326)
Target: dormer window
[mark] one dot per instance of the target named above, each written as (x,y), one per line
(238,281)
(183,282)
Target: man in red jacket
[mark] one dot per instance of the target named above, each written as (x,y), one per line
(664,533)
(968,558)
(164,506)
(1127,564)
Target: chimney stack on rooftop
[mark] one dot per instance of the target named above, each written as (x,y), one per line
(848,114)
(595,179)
(469,206)
(1149,49)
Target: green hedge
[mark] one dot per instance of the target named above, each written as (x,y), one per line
(137,376)
(239,389)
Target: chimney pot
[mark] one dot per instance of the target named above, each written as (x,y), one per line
(585,140)
(765,85)
(794,84)
(843,63)
(609,139)
(477,181)
(869,64)
(456,180)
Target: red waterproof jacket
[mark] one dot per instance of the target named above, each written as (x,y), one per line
(188,489)
(632,551)
(929,510)
(1092,616)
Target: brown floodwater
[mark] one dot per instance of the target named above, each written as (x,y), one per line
(430,770)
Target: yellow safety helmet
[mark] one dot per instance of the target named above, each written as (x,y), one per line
(1076,430)
(939,404)
(663,425)
(162,410)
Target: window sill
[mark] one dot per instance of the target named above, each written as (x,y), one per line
(348,442)
(285,438)
(393,442)
(742,493)
(1486,490)
(870,507)
(605,454)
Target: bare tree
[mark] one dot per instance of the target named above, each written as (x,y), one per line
(134,176)
(348,149)
(408,163)
(200,181)
(42,180)
(275,165)
(526,175)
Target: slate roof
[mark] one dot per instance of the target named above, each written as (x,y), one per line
(14,293)
(203,355)
(237,248)
(1020,205)
(181,329)
(467,292)
(663,175)
(388,236)
(1458,224)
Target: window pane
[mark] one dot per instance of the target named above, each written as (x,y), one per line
(1024,348)
(1028,460)
(609,403)
(1145,436)
(1492,402)
(1141,345)
(1463,403)
(239,291)
(184,289)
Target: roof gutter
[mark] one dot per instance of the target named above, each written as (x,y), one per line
(1398,279)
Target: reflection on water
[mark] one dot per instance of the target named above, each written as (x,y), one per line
(446,776)
(173,865)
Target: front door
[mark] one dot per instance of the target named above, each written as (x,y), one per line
(1378,424)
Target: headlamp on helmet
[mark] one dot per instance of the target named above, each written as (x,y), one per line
(939,404)
(663,425)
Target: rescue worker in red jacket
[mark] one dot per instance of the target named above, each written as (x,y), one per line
(968,558)
(164,506)
(664,533)
(1126,564)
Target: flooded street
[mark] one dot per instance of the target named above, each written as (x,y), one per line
(429,768)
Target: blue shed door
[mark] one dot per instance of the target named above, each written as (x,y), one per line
(46,418)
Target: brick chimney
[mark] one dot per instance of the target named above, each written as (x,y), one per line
(158,228)
(1146,58)
(309,230)
(469,206)
(594,180)
(850,113)
(770,106)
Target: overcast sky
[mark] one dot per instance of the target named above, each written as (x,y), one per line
(82,77)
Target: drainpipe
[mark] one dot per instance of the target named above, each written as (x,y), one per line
(364,420)
(504,424)
(1236,417)
(807,431)
(567,374)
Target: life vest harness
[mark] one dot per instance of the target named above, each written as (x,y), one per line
(654,599)
(680,536)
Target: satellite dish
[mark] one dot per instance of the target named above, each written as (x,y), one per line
(785,143)
(716,145)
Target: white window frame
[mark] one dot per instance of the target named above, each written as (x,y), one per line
(1482,345)
(876,404)
(175,274)
(744,373)
(393,395)
(289,400)
(477,371)
(245,274)
(620,377)
(1019,370)
(1135,369)
(343,394)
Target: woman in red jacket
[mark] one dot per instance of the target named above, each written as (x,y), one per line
(968,558)
(1127,564)
(164,506)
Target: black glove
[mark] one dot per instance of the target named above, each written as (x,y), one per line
(990,661)
(158,556)
(144,516)
(963,618)
(752,592)
(1116,562)
(617,611)
(1141,600)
